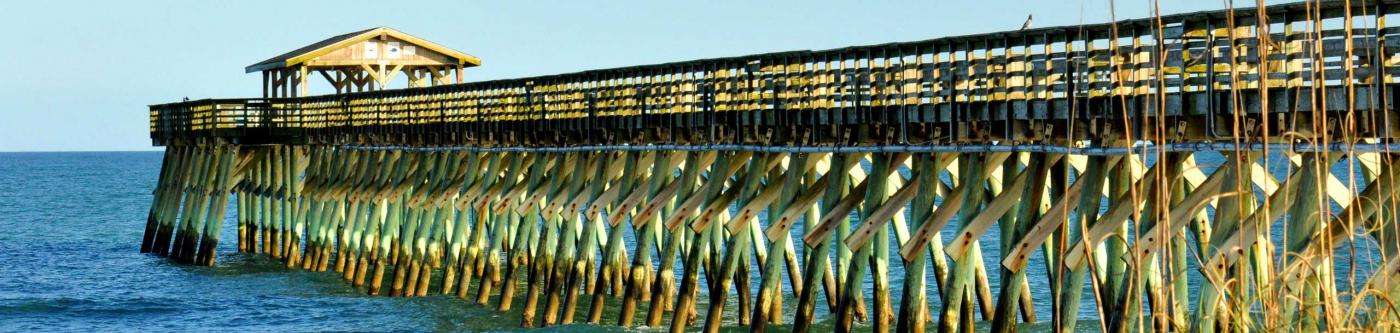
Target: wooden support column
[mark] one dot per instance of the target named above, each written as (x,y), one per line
(195,205)
(874,195)
(572,167)
(490,261)
(699,239)
(1089,201)
(783,192)
(647,233)
(567,267)
(1142,280)
(609,164)
(609,271)
(529,222)
(168,169)
(737,249)
(1303,224)
(285,82)
(913,307)
(232,161)
(663,293)
(297,205)
(160,240)
(834,207)
(388,236)
(957,313)
(1013,228)
(302,81)
(313,191)
(462,181)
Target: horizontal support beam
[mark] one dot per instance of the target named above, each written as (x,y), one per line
(992,148)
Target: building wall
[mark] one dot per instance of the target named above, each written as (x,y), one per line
(389,50)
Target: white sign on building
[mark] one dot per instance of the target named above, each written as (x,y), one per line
(371,49)
(392,51)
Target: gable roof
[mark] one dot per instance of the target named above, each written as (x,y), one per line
(320,48)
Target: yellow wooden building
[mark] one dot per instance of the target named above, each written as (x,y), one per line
(362,61)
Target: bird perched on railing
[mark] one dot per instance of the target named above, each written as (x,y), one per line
(1027,25)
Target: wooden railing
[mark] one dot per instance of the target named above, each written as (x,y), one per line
(1193,65)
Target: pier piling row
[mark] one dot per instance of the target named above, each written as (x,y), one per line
(1218,171)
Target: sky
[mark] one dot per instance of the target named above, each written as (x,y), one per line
(80,74)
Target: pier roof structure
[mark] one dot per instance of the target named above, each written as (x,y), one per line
(363,60)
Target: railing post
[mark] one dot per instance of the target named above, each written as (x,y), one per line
(707,106)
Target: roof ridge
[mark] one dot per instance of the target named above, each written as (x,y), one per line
(282,60)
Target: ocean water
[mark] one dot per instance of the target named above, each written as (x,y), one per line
(71,224)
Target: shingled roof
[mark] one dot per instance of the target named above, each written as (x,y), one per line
(316,49)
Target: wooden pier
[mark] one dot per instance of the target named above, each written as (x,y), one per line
(1195,172)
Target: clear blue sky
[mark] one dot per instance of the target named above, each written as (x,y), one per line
(79,74)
